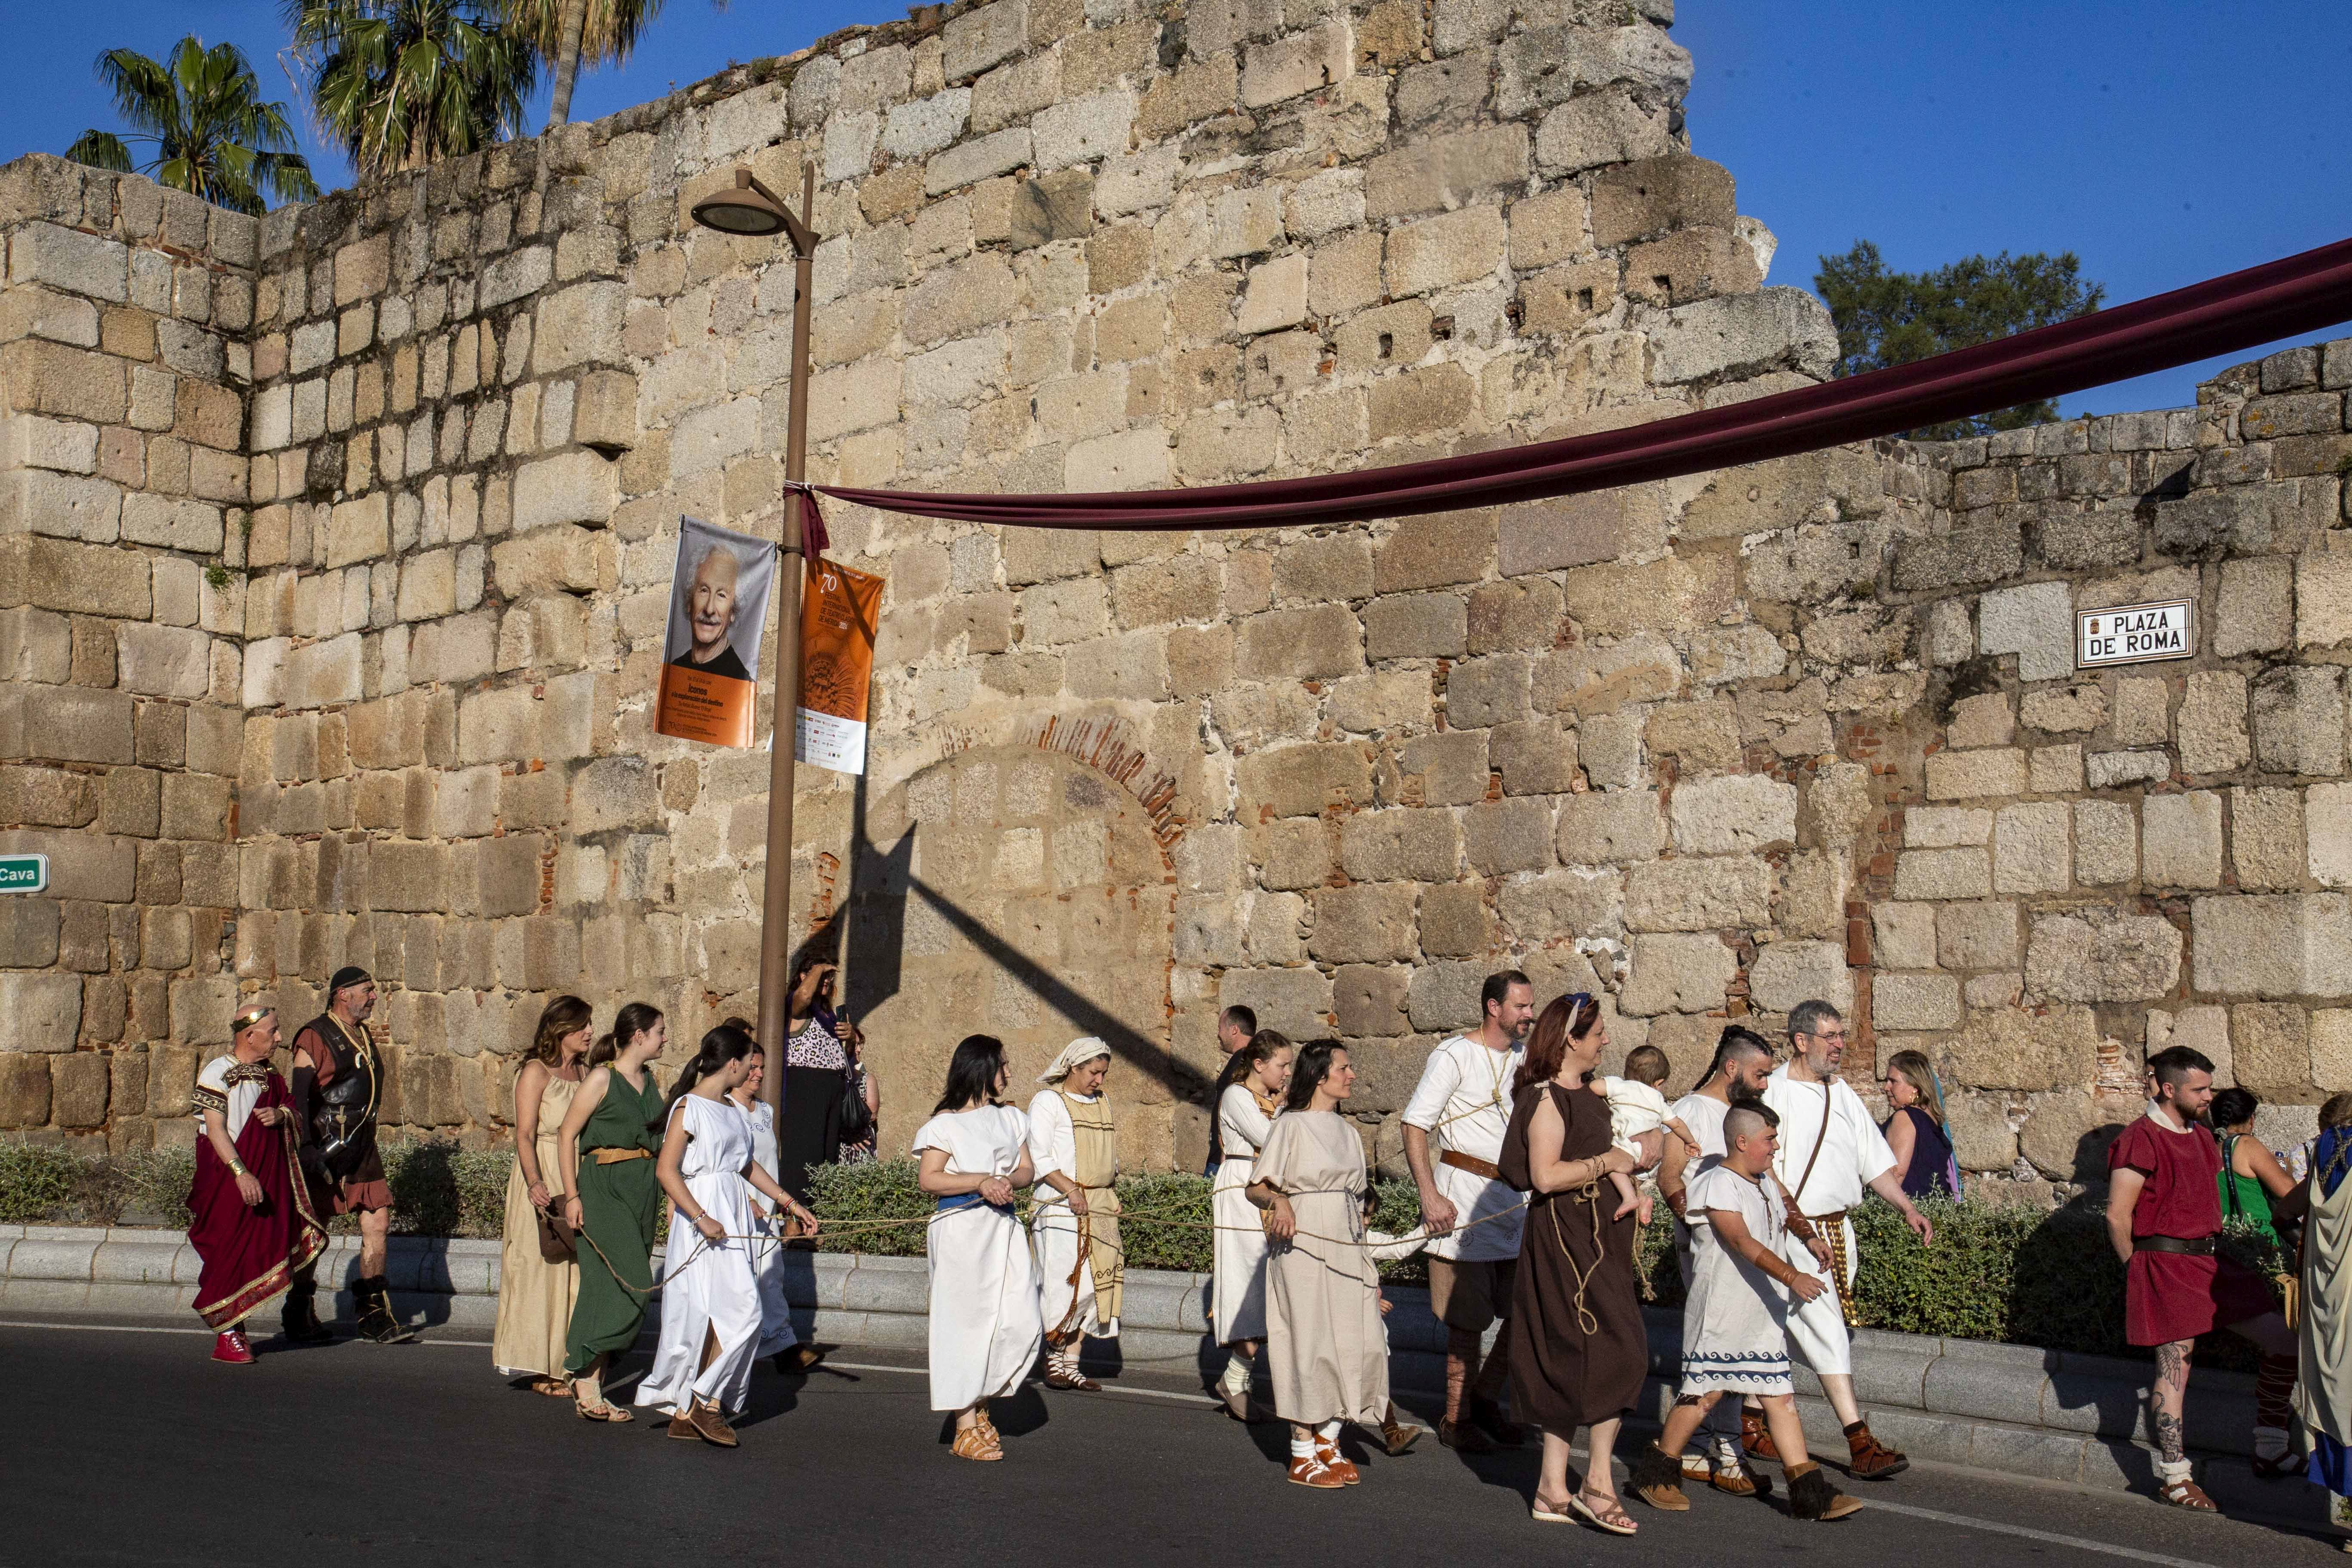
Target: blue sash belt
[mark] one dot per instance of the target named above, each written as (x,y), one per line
(972,1200)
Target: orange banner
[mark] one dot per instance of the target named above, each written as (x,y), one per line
(838,612)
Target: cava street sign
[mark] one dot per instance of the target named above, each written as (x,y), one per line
(24,873)
(2130,634)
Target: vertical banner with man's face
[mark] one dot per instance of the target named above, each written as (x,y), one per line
(837,617)
(711,661)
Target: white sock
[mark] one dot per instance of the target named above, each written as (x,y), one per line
(1301,1448)
(2170,1471)
(1236,1378)
(2270,1442)
(1328,1431)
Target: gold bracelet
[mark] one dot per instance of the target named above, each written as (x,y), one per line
(236,1168)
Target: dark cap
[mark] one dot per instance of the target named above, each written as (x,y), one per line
(349,976)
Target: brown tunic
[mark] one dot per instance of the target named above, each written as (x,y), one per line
(1567,1373)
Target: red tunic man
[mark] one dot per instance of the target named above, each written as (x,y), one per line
(2164,1211)
(253,1227)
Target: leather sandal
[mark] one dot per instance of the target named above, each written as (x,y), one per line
(1544,1512)
(972,1443)
(553,1387)
(2186,1493)
(1311,1471)
(1327,1452)
(606,1411)
(2277,1469)
(1757,1438)
(1603,1513)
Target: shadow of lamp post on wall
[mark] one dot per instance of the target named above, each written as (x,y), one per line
(747,208)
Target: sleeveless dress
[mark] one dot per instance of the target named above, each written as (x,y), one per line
(2243,1197)
(985,1322)
(1929,1174)
(535,1296)
(1237,1303)
(617,1206)
(709,1291)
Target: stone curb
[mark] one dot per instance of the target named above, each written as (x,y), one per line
(2048,1415)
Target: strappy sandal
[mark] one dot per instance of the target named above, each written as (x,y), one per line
(1543,1512)
(553,1387)
(2278,1470)
(974,1442)
(605,1412)
(1603,1513)
(2186,1493)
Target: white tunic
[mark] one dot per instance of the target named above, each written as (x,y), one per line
(1702,1116)
(1237,1300)
(1735,1333)
(985,1326)
(240,1097)
(1853,1152)
(1634,1107)
(767,1257)
(708,1288)
(1464,1102)
(1054,1150)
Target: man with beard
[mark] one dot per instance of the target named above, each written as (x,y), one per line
(1464,1098)
(1830,1150)
(710,617)
(338,1092)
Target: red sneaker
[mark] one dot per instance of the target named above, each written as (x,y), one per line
(233,1348)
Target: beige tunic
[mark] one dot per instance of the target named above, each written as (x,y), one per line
(1324,1339)
(535,1296)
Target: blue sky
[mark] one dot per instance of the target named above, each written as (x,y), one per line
(2164,141)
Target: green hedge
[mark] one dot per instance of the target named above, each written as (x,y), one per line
(2000,1272)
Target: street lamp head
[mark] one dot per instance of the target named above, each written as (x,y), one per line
(745,207)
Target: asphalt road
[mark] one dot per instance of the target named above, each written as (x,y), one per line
(130,1447)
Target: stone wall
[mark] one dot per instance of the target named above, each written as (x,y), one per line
(1711,745)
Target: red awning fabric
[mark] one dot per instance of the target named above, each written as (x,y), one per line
(2226,315)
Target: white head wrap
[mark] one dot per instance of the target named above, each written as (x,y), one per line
(1077,1053)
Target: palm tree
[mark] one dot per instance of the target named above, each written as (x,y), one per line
(214,136)
(400,83)
(568,32)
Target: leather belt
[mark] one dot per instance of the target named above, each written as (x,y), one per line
(1471,1164)
(2186,1247)
(618,1156)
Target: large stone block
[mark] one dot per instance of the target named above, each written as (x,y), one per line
(1742,335)
(1294,1002)
(1301,781)
(571,487)
(1974,775)
(1788,973)
(2180,840)
(1737,814)
(1301,644)
(71,260)
(1506,835)
(1301,62)
(84,579)
(2298,715)
(42,1011)
(2270,1049)
(2036,623)
(1372,924)
(1574,903)
(1704,893)
(1403,845)
(1619,827)
(2101,956)
(2031,849)
(2068,1135)
(1914,1001)
(1673,973)
(1442,252)
(2251,945)
(580,325)
(561,556)
(1656,195)
(66,724)
(2212,724)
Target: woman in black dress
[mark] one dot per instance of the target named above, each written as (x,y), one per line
(1579,1351)
(1914,1126)
(816,1069)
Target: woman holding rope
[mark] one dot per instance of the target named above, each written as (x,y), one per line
(1249,1097)
(710,1321)
(607,1150)
(1578,1350)
(1073,1151)
(1322,1292)
(985,1326)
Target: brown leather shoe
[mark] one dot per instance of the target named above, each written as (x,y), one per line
(1311,1471)
(1656,1478)
(1463,1437)
(1739,1482)
(1396,1436)
(1755,1437)
(1873,1461)
(681,1425)
(711,1424)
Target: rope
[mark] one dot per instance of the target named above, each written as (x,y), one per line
(1589,1195)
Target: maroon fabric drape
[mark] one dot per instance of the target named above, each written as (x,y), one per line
(250,1255)
(2225,315)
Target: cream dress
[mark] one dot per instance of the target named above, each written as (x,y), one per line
(535,1296)
(709,1289)
(1237,1304)
(1324,1335)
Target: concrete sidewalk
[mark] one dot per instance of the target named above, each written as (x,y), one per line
(2012,1409)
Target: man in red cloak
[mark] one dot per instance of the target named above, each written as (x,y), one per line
(253,1224)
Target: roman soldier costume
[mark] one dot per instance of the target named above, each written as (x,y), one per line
(337,1100)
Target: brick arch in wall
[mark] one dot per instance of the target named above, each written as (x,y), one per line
(1029,898)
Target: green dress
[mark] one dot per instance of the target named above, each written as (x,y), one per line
(618,1204)
(2243,1197)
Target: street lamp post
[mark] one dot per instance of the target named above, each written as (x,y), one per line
(748,207)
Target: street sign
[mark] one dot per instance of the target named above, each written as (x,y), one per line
(2133,634)
(24,873)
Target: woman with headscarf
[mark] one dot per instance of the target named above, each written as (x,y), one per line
(985,1322)
(1073,1151)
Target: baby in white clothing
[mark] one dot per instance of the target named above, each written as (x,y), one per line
(1637,1105)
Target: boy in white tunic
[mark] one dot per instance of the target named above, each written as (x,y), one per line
(1735,1339)
(1829,1151)
(1074,1147)
(1474,1218)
